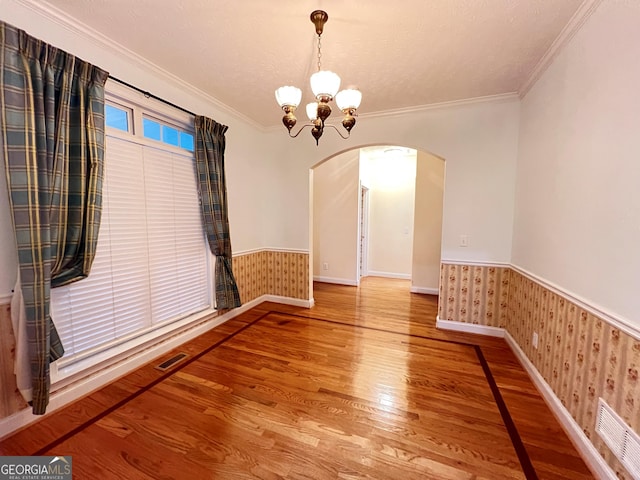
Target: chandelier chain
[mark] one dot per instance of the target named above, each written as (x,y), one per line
(319,50)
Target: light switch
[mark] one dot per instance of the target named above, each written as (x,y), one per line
(464,240)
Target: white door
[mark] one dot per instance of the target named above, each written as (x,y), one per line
(363,231)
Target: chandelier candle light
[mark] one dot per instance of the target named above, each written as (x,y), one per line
(325,86)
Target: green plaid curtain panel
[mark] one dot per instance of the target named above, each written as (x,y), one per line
(52,141)
(210,145)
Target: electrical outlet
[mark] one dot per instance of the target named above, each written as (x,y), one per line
(325,266)
(534,340)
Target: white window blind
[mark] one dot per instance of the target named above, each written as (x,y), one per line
(151,266)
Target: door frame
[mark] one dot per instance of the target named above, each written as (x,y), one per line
(363,233)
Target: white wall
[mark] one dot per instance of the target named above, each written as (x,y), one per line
(479,142)
(335,219)
(427,229)
(251,170)
(391,179)
(577,209)
(268,173)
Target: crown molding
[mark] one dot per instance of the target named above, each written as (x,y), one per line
(74,26)
(573,26)
(502,97)
(69,23)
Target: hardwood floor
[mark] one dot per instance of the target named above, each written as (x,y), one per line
(360,386)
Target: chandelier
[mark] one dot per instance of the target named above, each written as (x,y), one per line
(325,86)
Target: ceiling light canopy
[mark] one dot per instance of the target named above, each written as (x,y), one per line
(325,86)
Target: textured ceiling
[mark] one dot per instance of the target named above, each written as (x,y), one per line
(401,54)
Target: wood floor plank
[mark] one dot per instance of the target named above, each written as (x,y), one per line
(361,386)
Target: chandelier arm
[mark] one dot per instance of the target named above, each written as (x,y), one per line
(338,130)
(301,128)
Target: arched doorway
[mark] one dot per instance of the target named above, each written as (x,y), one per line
(398,235)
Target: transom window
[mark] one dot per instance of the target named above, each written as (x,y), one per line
(161,132)
(117,117)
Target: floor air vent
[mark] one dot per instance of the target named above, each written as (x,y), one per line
(623,442)
(167,364)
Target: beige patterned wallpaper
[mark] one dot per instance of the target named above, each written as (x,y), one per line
(581,356)
(474,294)
(270,272)
(10,399)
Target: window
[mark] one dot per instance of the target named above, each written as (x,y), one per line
(157,130)
(186,141)
(169,135)
(151,129)
(117,117)
(152,268)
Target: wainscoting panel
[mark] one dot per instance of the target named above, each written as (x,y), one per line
(476,294)
(250,271)
(10,399)
(272,272)
(581,357)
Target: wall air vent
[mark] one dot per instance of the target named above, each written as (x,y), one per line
(623,442)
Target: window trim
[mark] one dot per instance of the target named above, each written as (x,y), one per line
(117,93)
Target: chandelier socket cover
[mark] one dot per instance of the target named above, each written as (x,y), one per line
(324,110)
(289,119)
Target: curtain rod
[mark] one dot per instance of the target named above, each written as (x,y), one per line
(151,95)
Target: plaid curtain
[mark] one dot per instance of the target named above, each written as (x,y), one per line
(52,141)
(210,145)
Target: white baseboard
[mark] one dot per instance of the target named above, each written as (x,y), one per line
(469,328)
(97,380)
(592,458)
(425,290)
(339,281)
(296,302)
(402,276)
